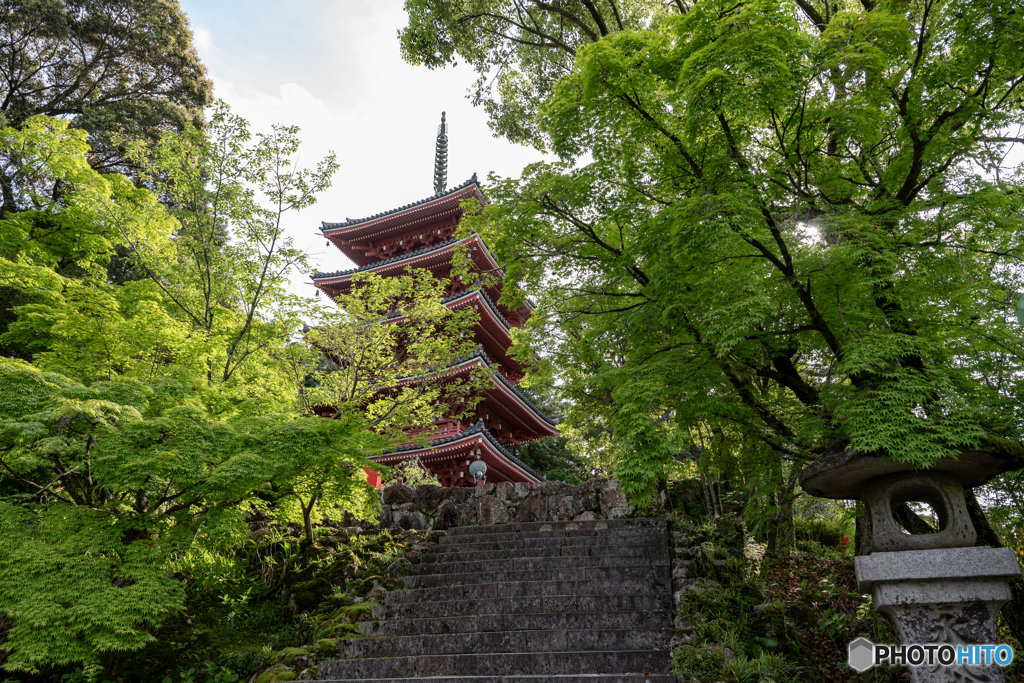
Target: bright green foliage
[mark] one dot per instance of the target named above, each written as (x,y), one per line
(226,271)
(389,349)
(146,467)
(411,473)
(570,455)
(553,457)
(518,49)
(158,411)
(145,451)
(75,589)
(318,462)
(214,303)
(76,218)
(794,223)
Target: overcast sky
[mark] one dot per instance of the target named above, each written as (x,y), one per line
(333,68)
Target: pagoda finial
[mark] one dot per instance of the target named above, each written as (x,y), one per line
(441,158)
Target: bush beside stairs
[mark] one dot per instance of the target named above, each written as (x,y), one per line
(566,601)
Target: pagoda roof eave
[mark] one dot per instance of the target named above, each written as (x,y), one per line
(544,425)
(479,358)
(406,261)
(476,432)
(462,297)
(361,228)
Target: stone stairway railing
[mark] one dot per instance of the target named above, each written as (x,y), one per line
(582,601)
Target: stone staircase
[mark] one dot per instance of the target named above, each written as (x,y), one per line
(531,602)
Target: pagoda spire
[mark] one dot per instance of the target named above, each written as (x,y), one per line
(441,158)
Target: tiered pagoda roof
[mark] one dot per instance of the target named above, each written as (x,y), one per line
(424,234)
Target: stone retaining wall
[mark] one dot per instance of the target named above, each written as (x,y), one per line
(437,508)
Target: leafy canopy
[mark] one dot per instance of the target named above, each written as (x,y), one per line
(391,349)
(774,224)
(111,68)
(158,410)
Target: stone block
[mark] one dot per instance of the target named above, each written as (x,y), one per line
(533,509)
(683,569)
(460,494)
(412,520)
(551,488)
(940,596)
(503,491)
(614,504)
(562,508)
(467,514)
(398,494)
(428,498)
(952,564)
(490,510)
(447,516)
(585,496)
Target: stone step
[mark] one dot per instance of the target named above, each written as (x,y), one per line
(534,604)
(510,564)
(517,527)
(650,619)
(580,549)
(557,678)
(474,541)
(553,542)
(478,591)
(575,640)
(500,664)
(584,573)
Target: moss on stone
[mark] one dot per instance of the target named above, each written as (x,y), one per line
(1010,450)
(342,631)
(363,586)
(289,654)
(276,674)
(362,611)
(327,645)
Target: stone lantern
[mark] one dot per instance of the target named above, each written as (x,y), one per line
(933,588)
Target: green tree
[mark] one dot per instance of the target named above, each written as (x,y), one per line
(120,448)
(519,49)
(318,463)
(390,348)
(75,218)
(794,224)
(103,485)
(227,268)
(108,67)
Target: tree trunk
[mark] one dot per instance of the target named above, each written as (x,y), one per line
(910,520)
(663,497)
(782,534)
(307,522)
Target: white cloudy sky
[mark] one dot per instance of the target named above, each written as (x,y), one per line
(334,69)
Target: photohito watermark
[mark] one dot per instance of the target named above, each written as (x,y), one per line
(863,654)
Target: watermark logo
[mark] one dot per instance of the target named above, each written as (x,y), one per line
(863,654)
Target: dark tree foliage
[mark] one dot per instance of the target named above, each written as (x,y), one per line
(552,457)
(117,68)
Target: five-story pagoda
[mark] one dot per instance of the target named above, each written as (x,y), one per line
(424,235)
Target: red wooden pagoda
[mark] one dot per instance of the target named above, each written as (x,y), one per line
(423,235)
